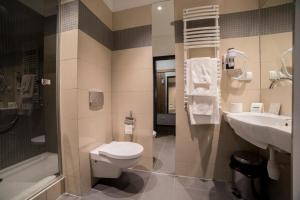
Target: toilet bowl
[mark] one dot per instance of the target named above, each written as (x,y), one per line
(108,160)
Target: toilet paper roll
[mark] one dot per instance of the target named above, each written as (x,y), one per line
(128,129)
(236,108)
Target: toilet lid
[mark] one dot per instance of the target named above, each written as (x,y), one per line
(121,150)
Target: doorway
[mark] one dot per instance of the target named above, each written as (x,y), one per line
(164,113)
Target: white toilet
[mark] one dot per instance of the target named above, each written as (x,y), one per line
(108,160)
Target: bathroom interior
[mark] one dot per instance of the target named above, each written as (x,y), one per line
(149,99)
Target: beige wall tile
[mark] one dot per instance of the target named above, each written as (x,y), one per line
(95,130)
(239,96)
(69,44)
(134,58)
(92,51)
(282,95)
(132,80)
(68,103)
(56,190)
(68,74)
(133,17)
(137,102)
(273,45)
(91,76)
(73,184)
(99,8)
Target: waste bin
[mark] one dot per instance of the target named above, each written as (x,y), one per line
(248,173)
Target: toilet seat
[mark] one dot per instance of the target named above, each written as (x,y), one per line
(119,150)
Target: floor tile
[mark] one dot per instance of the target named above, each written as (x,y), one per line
(139,185)
(159,187)
(164,154)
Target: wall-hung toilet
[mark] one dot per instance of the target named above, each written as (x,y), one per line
(108,160)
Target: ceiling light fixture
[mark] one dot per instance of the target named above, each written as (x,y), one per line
(159,8)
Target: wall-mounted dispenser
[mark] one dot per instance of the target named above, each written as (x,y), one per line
(96,99)
(229,63)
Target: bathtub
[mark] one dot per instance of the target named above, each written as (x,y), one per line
(27,177)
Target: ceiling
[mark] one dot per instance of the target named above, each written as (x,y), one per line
(118,5)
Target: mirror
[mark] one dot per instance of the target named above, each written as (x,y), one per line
(163,50)
(276,46)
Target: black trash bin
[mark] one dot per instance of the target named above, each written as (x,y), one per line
(248,175)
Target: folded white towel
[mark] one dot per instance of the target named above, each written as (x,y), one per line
(27,85)
(201,76)
(201,105)
(214,118)
(202,90)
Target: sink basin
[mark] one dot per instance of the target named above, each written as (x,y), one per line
(263,129)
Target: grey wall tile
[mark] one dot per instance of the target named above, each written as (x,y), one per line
(277,19)
(242,24)
(94,27)
(134,37)
(69,16)
(270,20)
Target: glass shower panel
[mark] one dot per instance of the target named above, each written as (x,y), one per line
(28,120)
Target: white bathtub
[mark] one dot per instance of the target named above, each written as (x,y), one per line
(23,179)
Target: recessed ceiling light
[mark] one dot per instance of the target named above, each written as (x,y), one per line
(159,8)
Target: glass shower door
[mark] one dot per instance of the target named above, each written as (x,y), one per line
(28,121)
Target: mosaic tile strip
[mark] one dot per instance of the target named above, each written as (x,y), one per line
(134,37)
(251,23)
(277,19)
(69,16)
(94,27)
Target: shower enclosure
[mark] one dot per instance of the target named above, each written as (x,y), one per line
(29,150)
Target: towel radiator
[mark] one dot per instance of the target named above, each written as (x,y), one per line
(201,30)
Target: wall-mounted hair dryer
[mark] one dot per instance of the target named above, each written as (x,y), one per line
(229,63)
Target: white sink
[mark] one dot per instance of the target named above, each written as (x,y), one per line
(263,129)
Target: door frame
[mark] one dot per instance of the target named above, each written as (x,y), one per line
(155,59)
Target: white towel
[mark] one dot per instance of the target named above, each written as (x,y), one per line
(27,85)
(201,76)
(202,90)
(214,118)
(201,105)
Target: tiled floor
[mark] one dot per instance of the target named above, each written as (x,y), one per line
(164,154)
(138,185)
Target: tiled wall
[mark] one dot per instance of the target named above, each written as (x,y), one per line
(87,61)
(203,151)
(52,192)
(85,64)
(132,78)
(272,47)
